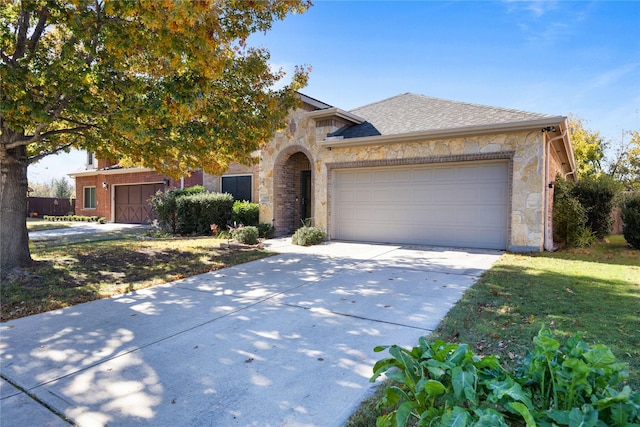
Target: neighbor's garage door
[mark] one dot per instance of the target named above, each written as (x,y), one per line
(132,202)
(457,204)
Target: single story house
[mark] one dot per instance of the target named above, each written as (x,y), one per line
(408,169)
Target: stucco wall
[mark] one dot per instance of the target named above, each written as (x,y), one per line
(525,148)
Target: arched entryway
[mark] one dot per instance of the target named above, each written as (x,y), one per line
(293,190)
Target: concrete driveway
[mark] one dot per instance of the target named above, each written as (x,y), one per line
(284,341)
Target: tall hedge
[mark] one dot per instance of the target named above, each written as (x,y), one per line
(569,216)
(597,195)
(164,206)
(630,213)
(191,210)
(197,212)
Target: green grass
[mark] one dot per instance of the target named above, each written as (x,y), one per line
(594,290)
(79,269)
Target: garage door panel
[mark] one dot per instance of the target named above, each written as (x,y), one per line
(463,204)
(132,202)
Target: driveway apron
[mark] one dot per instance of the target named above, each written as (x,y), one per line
(284,341)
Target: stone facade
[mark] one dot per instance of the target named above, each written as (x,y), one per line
(524,150)
(306,154)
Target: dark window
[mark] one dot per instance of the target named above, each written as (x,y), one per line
(89,198)
(238,186)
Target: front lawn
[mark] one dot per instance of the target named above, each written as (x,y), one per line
(72,270)
(37,224)
(593,290)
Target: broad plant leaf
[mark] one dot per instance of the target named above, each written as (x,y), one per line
(524,411)
(599,356)
(434,388)
(456,417)
(403,413)
(585,417)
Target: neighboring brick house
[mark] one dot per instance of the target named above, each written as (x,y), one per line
(408,169)
(122,194)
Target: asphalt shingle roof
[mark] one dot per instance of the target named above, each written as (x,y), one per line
(415,113)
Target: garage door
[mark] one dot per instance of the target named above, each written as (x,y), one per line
(459,204)
(132,202)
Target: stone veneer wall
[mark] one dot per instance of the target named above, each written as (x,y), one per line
(525,148)
(213,183)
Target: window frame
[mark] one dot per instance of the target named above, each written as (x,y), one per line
(238,175)
(84,197)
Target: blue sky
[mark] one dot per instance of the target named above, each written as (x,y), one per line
(552,57)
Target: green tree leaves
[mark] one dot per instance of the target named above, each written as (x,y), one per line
(168,85)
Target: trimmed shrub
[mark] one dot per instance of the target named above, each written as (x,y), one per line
(306,236)
(265,230)
(165,208)
(631,218)
(245,213)
(247,235)
(196,212)
(597,197)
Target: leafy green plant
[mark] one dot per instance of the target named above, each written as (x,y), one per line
(630,213)
(164,205)
(440,382)
(560,384)
(597,196)
(196,212)
(585,237)
(245,213)
(265,230)
(247,235)
(569,216)
(306,236)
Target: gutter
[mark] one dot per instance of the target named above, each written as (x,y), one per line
(548,232)
(336,112)
(108,171)
(439,133)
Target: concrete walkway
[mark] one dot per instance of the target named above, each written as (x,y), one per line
(283,341)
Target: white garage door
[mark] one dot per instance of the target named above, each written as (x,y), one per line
(454,204)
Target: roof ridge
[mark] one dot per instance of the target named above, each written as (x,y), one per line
(381,101)
(466,103)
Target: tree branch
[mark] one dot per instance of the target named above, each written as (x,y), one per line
(30,139)
(37,32)
(49,152)
(21,41)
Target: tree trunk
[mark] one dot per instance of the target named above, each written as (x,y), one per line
(14,239)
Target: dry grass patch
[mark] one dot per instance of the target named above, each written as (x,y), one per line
(68,274)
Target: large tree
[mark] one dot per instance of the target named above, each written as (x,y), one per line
(170,85)
(625,165)
(588,148)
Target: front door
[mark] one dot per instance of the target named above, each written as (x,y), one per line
(305,196)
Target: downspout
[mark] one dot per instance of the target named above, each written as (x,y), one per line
(182,183)
(548,233)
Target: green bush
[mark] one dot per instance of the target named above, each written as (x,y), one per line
(559,383)
(305,236)
(265,230)
(597,196)
(164,206)
(196,212)
(245,213)
(630,214)
(569,216)
(247,235)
